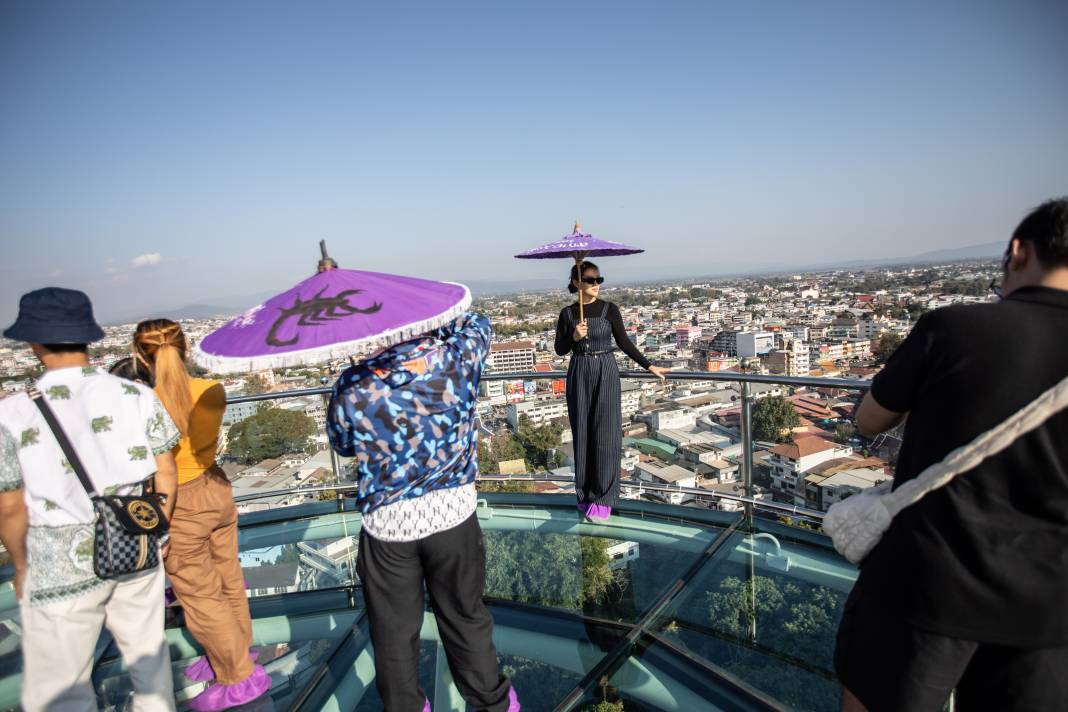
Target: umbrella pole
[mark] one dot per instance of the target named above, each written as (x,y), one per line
(578,271)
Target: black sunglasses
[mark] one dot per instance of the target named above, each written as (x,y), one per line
(593,280)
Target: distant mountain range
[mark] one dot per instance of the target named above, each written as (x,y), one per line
(960,254)
(220,307)
(229,306)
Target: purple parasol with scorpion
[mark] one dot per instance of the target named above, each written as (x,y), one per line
(334,314)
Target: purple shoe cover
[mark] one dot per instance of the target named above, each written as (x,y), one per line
(583,507)
(426,706)
(220,697)
(513,700)
(201,670)
(599,511)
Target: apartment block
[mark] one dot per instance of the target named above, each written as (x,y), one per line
(537,412)
(511,357)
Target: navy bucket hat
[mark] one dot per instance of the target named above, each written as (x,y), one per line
(54,315)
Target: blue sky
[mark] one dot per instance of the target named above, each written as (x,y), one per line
(220,141)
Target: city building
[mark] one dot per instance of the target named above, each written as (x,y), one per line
(726,342)
(492,392)
(335,559)
(672,418)
(685,334)
(236,412)
(511,357)
(537,411)
(791,360)
(672,475)
(834,480)
(621,554)
(271,579)
(750,344)
(790,460)
(630,398)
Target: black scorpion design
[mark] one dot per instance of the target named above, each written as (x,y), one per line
(317,311)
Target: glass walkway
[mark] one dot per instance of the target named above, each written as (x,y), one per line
(660,608)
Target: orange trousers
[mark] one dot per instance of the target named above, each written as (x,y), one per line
(206,576)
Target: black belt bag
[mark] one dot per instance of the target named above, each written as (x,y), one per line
(127,528)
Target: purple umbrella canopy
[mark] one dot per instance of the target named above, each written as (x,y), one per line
(333,315)
(579,245)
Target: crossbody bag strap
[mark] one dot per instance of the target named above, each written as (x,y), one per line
(986,445)
(64,442)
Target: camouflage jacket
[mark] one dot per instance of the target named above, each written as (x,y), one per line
(407,415)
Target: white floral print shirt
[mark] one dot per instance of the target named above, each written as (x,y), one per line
(116,427)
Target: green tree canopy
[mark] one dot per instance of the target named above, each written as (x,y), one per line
(773,417)
(843,432)
(885,346)
(540,443)
(550,569)
(499,448)
(270,433)
(254,385)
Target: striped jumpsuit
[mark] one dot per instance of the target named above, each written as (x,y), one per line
(593,398)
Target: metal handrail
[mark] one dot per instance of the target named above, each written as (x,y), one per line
(729,377)
(637,484)
(749,501)
(721,376)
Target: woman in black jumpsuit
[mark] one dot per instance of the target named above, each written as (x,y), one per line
(593,394)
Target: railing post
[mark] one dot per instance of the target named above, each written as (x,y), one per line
(747,443)
(747,481)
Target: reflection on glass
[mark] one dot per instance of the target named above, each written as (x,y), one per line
(540,685)
(372,701)
(303,566)
(773,629)
(607,578)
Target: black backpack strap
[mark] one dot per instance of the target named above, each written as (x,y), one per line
(64,442)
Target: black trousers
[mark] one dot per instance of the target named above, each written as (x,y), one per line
(893,667)
(452,564)
(593,407)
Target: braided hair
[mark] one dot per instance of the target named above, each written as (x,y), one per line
(160,345)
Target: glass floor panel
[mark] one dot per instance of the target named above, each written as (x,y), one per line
(661,608)
(765,610)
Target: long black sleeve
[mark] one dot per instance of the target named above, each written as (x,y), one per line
(622,340)
(564,342)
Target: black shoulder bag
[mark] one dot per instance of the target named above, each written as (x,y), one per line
(128,529)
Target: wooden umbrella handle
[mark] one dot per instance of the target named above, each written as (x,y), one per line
(578,271)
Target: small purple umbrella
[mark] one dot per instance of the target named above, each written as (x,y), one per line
(579,245)
(333,315)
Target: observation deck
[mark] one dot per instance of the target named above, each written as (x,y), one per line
(662,607)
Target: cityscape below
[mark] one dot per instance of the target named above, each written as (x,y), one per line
(684,456)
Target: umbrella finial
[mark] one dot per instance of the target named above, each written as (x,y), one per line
(326,263)
(578,227)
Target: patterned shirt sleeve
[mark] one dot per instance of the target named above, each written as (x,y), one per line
(10,469)
(161,431)
(468,338)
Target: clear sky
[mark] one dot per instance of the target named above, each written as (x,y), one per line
(165,153)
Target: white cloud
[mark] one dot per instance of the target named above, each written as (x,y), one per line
(146,260)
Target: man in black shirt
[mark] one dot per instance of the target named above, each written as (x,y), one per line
(968,588)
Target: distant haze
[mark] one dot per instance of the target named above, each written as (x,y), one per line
(232,305)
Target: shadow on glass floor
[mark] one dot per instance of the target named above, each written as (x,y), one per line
(662,608)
